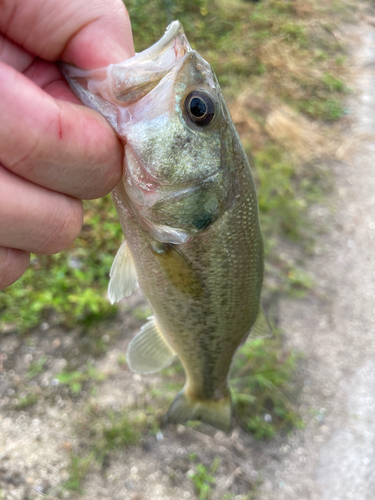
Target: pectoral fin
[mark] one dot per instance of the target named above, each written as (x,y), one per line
(148,352)
(179,270)
(166,234)
(123,276)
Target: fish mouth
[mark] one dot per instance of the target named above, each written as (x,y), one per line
(129,81)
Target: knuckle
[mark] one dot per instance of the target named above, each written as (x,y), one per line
(106,170)
(111,173)
(127,17)
(63,227)
(13,263)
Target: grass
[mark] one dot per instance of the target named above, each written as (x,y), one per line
(112,430)
(283,71)
(263,383)
(69,287)
(121,360)
(277,53)
(77,470)
(26,401)
(262,388)
(36,367)
(104,432)
(75,379)
(203,479)
(282,49)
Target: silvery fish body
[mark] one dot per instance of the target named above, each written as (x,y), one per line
(188,209)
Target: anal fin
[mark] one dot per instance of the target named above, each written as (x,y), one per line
(123,276)
(148,352)
(261,328)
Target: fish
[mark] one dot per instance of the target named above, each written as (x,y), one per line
(188,208)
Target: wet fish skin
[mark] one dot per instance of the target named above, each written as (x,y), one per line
(188,209)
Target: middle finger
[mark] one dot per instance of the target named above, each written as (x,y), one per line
(35,219)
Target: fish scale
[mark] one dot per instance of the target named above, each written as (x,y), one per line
(188,209)
(206,333)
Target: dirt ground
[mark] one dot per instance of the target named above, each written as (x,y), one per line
(332,458)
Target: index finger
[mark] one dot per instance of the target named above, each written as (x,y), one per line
(53,143)
(87,35)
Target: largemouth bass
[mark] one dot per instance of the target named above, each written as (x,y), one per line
(188,209)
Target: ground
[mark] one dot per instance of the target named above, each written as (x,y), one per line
(335,458)
(50,425)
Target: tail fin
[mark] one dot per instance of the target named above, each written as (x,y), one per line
(217,413)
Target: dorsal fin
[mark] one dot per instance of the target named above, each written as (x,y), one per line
(148,352)
(123,276)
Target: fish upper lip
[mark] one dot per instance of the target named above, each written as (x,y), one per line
(130,80)
(151,65)
(149,57)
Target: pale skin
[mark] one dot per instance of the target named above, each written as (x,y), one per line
(53,151)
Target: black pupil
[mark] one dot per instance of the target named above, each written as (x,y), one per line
(197,107)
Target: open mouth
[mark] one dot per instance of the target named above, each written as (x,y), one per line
(129,81)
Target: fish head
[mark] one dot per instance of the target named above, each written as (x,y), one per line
(166,105)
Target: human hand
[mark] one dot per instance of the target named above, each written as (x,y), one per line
(53,151)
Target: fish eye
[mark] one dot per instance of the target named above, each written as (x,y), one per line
(200,108)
